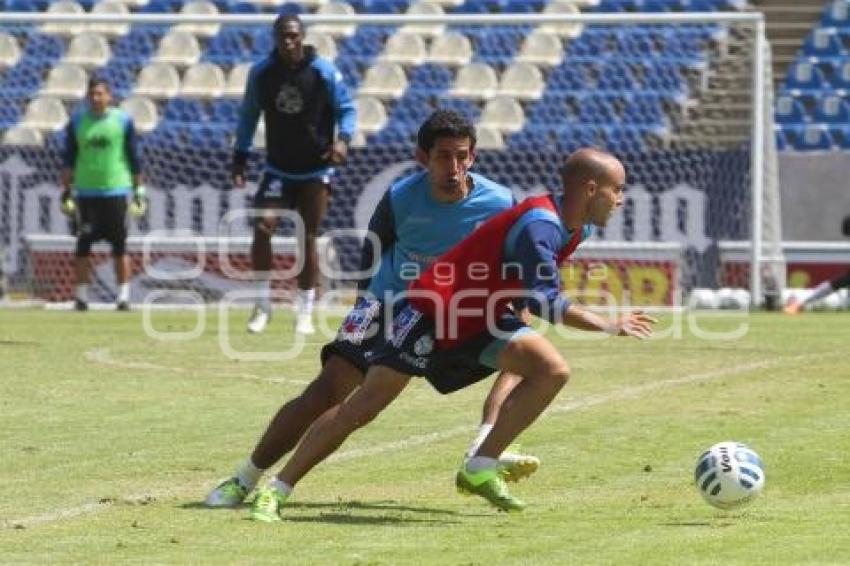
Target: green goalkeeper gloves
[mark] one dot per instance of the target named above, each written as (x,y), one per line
(139,204)
(67,204)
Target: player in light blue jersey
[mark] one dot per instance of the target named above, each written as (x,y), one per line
(419,218)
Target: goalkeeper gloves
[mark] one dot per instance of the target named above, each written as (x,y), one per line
(67,204)
(139,204)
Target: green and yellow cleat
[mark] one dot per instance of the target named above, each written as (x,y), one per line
(267,504)
(514,467)
(489,485)
(229,493)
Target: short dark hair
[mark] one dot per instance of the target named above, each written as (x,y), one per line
(285,18)
(98,81)
(444,124)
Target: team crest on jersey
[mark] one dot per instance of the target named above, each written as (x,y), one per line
(289,100)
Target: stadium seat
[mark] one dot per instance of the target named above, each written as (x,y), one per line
(178,48)
(236,80)
(841,135)
(371,114)
(823,42)
(476,81)
(451,48)
(158,80)
(429,79)
(64,29)
(561,7)
(335,30)
(804,75)
(143,111)
(186,111)
(405,49)
(832,110)
(467,108)
(813,137)
(411,110)
(10,51)
(384,80)
(66,81)
(199,7)
(504,114)
(841,78)
(572,75)
(323,42)
(489,138)
(448,3)
(789,111)
(596,111)
(45,113)
(109,29)
(88,50)
(424,8)
(23,136)
(836,14)
(523,81)
(617,75)
(541,48)
(204,80)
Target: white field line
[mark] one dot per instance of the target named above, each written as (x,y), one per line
(103,356)
(420,440)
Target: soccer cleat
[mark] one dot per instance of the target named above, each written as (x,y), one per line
(514,467)
(304,324)
(267,504)
(259,319)
(229,493)
(793,307)
(80,305)
(489,485)
(122,306)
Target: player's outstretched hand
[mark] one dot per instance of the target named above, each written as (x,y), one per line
(637,324)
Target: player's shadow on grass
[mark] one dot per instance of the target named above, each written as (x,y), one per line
(386,505)
(350,519)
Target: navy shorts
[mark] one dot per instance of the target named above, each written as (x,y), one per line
(275,191)
(101,218)
(411,349)
(362,330)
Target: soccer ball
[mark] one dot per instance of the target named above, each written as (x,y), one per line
(729,474)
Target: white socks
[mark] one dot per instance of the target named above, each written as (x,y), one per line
(83,292)
(304,299)
(823,290)
(124,293)
(479,440)
(264,289)
(478,463)
(282,487)
(248,474)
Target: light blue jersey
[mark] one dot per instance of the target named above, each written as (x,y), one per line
(419,229)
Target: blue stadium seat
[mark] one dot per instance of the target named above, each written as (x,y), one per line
(812,137)
(664,78)
(616,75)
(644,109)
(836,14)
(366,43)
(240,7)
(572,75)
(187,111)
(804,75)
(594,110)
(832,110)
(379,6)
(592,43)
(624,138)
(429,78)
(138,45)
(225,111)
(497,45)
(465,107)
(553,108)
(841,135)
(789,110)
(228,46)
(823,42)
(411,110)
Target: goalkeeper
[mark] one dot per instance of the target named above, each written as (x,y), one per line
(101,167)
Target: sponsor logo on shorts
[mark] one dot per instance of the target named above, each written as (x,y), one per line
(359,321)
(403,324)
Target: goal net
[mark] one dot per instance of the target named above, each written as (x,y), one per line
(684,99)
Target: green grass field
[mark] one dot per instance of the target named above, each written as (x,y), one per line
(110,440)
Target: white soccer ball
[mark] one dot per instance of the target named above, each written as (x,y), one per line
(703,299)
(729,474)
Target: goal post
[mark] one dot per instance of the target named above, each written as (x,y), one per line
(689,109)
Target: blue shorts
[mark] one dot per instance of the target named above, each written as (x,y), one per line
(275,191)
(359,333)
(411,349)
